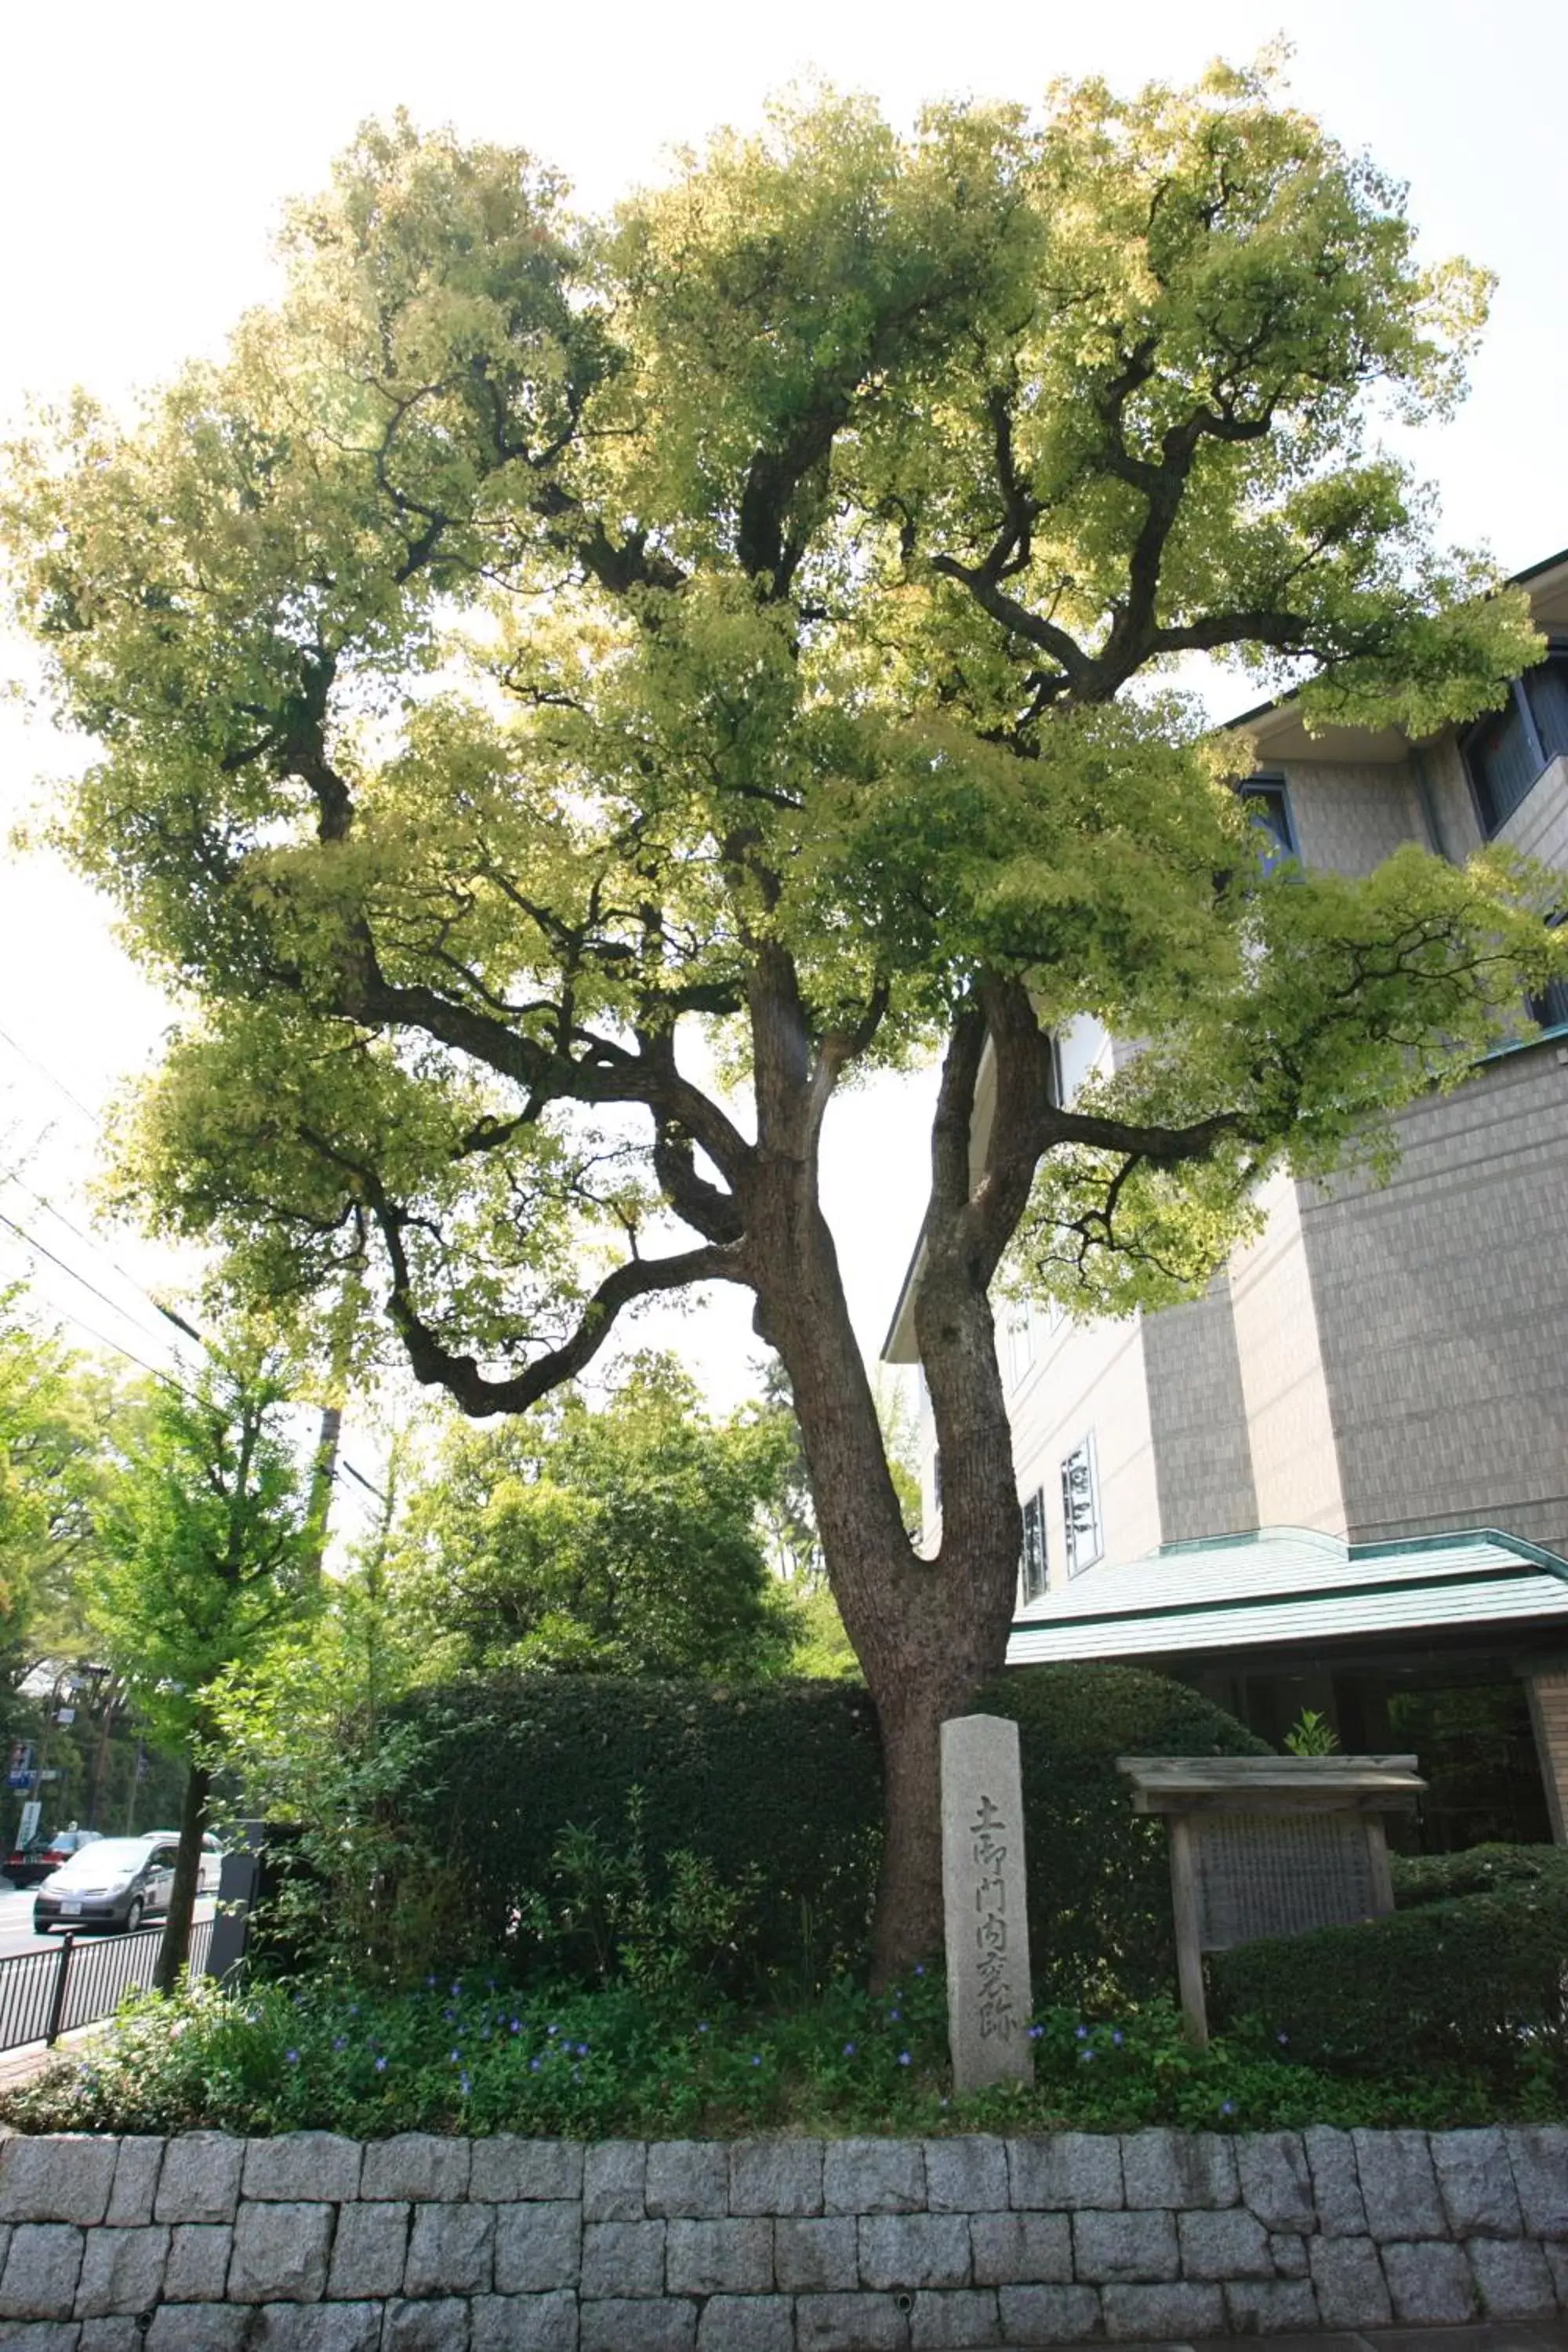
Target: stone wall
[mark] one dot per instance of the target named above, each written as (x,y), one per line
(313,2243)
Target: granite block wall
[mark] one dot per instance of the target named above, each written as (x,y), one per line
(315,2243)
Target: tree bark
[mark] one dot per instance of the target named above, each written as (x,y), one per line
(928,1634)
(176,1941)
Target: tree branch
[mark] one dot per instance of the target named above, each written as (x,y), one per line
(435,1365)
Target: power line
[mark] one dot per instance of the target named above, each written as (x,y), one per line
(129,1353)
(119,1349)
(32,1241)
(89,1241)
(170,1314)
(58,1084)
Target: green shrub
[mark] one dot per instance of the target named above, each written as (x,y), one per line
(1476,1980)
(781,1779)
(777,1789)
(1480,1869)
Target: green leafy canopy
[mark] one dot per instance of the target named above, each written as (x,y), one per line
(621,1539)
(539,633)
(209,1547)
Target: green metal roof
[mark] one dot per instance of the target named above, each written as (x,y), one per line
(1283,1585)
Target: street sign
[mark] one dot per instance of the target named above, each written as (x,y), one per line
(27,1829)
(19,1771)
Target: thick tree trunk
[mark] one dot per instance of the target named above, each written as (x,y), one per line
(176,1941)
(928,1634)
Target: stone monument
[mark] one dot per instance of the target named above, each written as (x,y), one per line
(989,2001)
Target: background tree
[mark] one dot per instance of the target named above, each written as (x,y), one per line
(57,1414)
(211,1555)
(538,636)
(623,1539)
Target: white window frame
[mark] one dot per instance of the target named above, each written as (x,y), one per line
(1084,1532)
(1034,1504)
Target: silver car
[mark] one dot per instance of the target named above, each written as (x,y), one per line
(211,1869)
(112,1883)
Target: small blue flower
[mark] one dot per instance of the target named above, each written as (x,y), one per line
(1227,2107)
(1281,2039)
(292,2056)
(341,2041)
(463,2084)
(517,2025)
(850,2050)
(920,1970)
(756,2062)
(895,2016)
(903,2057)
(1085,2056)
(381,2065)
(581,2049)
(535,2064)
(1117,2037)
(553,2028)
(1082,2032)
(702,2026)
(1035,2031)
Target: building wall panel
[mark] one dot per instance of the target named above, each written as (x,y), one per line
(1294,1467)
(1197,1413)
(1442,1310)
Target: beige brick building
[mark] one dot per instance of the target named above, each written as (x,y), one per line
(1382,1362)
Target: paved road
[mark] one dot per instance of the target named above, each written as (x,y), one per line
(16,1920)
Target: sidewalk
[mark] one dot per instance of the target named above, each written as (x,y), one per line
(29,2058)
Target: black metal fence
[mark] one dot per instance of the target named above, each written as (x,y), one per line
(44,1994)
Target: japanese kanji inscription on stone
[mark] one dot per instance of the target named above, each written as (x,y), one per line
(988,1996)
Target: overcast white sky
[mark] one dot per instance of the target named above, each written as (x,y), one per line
(145,152)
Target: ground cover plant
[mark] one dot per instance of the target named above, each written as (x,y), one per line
(470,2053)
(1451,2013)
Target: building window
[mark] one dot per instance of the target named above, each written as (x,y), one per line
(1508,750)
(1032,1563)
(1269,807)
(1081,1507)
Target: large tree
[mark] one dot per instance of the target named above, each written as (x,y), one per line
(571,694)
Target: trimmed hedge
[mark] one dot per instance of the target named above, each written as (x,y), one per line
(1480,1870)
(1474,1978)
(785,1778)
(784,1775)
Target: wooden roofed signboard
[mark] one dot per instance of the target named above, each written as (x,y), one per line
(1269,1845)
